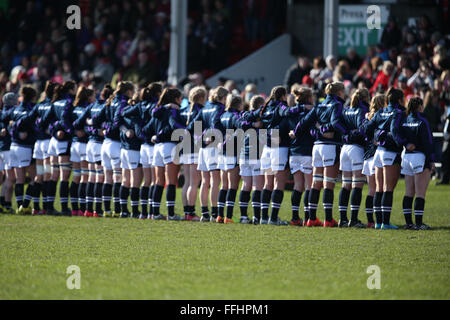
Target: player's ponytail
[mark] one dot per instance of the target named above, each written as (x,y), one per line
(82,96)
(334,88)
(414,105)
(28,93)
(155,90)
(61,91)
(377,103)
(196,95)
(106,92)
(302,95)
(169,95)
(122,88)
(394,96)
(359,96)
(219,94)
(234,102)
(276,94)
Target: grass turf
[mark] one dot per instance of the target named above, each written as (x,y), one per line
(131,259)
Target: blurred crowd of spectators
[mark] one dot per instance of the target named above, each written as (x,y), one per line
(125,40)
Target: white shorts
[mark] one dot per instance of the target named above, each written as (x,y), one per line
(324,155)
(20,157)
(146,155)
(266,157)
(110,154)
(190,158)
(5,160)
(164,153)
(129,159)
(93,152)
(57,148)
(368,167)
(385,158)
(227,163)
(300,163)
(208,159)
(252,169)
(40,150)
(413,163)
(78,152)
(352,158)
(279,158)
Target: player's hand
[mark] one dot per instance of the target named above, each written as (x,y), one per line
(89,122)
(328,135)
(129,134)
(60,135)
(410,147)
(258,124)
(3,132)
(80,133)
(208,140)
(292,134)
(23,135)
(154,139)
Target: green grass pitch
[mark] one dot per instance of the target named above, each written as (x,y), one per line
(131,259)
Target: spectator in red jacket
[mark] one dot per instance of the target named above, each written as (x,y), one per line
(383,77)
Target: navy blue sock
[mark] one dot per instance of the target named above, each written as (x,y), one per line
(265,203)
(124,193)
(116,194)
(134,197)
(244,198)
(74,196)
(419,208)
(314,195)
(328,197)
(407,209)
(386,206)
(221,201)
(157,195)
(306,205)
(296,198)
(64,195)
(369,209)
(256,204)
(344,196)
(377,207)
(170,199)
(230,200)
(82,196)
(90,196)
(277,199)
(98,187)
(144,195)
(355,203)
(106,196)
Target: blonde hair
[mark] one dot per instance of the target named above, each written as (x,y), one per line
(196,94)
(233,102)
(302,94)
(378,102)
(218,94)
(334,88)
(360,95)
